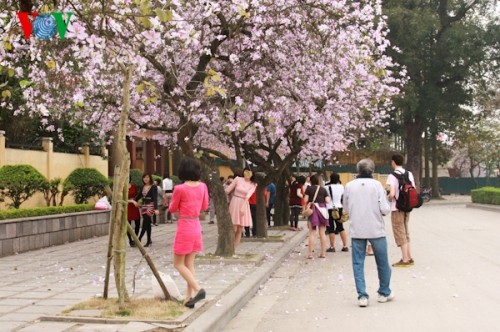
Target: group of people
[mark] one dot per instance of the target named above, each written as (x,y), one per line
(364,199)
(144,205)
(304,191)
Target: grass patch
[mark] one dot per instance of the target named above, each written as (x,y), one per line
(148,309)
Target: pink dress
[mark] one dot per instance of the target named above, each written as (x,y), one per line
(189,201)
(242,191)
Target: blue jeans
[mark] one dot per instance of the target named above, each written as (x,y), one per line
(379,247)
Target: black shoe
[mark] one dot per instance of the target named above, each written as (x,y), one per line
(198,297)
(189,304)
(149,243)
(132,243)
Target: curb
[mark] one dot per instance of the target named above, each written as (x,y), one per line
(486,207)
(218,316)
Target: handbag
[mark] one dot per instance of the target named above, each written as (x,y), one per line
(308,209)
(322,210)
(345,217)
(335,213)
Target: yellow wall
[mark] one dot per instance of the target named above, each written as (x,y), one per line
(225,171)
(51,164)
(346,177)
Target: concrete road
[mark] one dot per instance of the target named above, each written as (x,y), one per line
(454,285)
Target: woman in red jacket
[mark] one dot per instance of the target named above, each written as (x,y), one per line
(133,212)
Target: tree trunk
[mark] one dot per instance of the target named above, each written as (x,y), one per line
(435,180)
(225,240)
(427,157)
(261,222)
(281,207)
(119,200)
(413,142)
(471,172)
(111,232)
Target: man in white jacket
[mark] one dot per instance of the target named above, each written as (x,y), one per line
(366,202)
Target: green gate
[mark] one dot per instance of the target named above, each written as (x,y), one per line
(463,186)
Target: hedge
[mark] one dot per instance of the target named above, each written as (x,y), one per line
(85,183)
(486,195)
(44,211)
(20,182)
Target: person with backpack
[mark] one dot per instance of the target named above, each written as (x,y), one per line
(402,197)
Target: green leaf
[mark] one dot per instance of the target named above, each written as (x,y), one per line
(210,92)
(216,78)
(24,83)
(164,15)
(146,23)
(11,72)
(140,88)
(6,94)
(221,91)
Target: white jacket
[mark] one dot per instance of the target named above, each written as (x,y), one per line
(366,202)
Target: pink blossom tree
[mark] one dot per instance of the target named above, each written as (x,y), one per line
(265,81)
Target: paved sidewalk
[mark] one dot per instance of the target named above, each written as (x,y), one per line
(38,285)
(453,286)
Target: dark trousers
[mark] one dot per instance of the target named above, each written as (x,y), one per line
(253,212)
(137,226)
(294,216)
(146,227)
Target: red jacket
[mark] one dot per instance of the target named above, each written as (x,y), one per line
(253,198)
(132,210)
(294,199)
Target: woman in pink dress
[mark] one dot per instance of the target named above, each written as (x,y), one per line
(189,199)
(239,208)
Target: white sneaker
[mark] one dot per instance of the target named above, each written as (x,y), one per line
(363,302)
(384,299)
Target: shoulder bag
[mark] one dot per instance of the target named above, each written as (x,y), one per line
(308,210)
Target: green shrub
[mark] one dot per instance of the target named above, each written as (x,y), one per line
(85,183)
(486,195)
(136,177)
(157,177)
(51,191)
(176,180)
(44,211)
(20,182)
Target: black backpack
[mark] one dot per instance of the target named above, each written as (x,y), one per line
(408,198)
